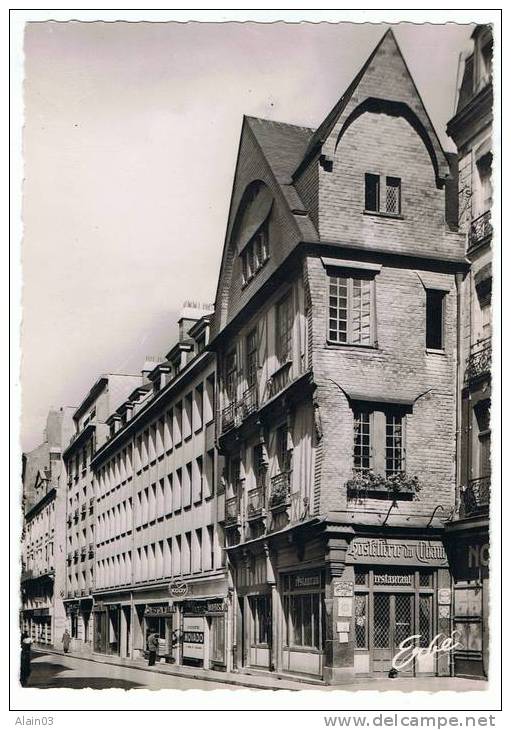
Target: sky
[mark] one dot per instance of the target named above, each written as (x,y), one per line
(130,140)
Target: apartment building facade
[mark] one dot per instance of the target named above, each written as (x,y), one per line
(90,433)
(471,130)
(159,561)
(335,333)
(43,538)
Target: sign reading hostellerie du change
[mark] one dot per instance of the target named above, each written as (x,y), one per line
(407,552)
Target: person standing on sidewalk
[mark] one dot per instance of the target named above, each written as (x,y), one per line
(26,648)
(66,641)
(152,647)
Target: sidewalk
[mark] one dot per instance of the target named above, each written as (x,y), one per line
(266,681)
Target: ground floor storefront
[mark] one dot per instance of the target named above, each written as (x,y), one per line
(469,556)
(191,619)
(334,604)
(37,623)
(79,625)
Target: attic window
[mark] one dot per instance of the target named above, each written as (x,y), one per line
(255,254)
(382,194)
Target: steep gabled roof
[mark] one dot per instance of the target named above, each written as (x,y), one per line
(282,144)
(358,91)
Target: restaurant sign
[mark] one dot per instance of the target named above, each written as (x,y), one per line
(385,552)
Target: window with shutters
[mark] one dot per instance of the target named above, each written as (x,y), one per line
(378,441)
(382,194)
(252,358)
(351,310)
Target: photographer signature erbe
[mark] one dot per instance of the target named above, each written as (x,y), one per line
(439,644)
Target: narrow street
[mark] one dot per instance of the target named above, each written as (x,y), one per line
(54,670)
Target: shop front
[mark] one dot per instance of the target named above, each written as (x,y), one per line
(396,599)
(79,625)
(469,557)
(107,623)
(204,632)
(158,618)
(303,622)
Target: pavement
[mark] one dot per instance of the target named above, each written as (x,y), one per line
(53,668)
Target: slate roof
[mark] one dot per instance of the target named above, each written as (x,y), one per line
(283,146)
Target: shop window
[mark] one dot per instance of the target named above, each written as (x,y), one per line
(382,194)
(435,303)
(304,620)
(350,310)
(260,609)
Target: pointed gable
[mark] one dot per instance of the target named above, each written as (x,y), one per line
(384,81)
(268,153)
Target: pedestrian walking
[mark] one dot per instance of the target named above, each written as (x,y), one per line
(66,641)
(26,648)
(152,647)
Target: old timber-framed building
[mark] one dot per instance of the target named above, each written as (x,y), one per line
(335,331)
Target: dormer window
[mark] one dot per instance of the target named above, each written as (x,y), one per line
(255,254)
(382,194)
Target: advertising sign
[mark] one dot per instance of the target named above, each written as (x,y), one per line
(178,588)
(193,637)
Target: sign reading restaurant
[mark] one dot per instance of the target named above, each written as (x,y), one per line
(407,552)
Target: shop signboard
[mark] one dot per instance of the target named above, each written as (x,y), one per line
(379,551)
(206,607)
(193,637)
(161,610)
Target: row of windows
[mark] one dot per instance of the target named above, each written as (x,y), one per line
(81,537)
(193,552)
(255,254)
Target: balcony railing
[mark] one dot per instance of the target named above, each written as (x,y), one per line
(475,497)
(480,228)
(479,361)
(248,403)
(256,503)
(280,491)
(232,512)
(228,415)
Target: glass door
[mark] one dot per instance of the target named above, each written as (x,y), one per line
(392,623)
